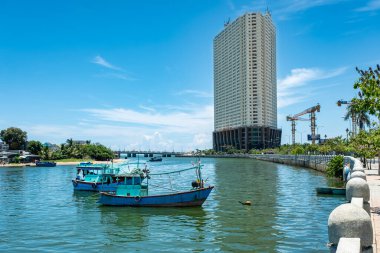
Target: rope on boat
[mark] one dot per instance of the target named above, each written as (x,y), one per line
(170,181)
(157,186)
(173,172)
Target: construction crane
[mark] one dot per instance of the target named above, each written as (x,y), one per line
(353,115)
(295,117)
(293,120)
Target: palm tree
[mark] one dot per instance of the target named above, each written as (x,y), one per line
(351,114)
(358,117)
(363,120)
(70,142)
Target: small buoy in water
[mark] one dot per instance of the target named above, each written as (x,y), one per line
(247,203)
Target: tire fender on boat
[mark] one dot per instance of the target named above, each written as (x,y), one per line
(94,185)
(137,198)
(75,183)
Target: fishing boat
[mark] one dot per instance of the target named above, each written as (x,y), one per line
(331,190)
(155,159)
(133,192)
(45,164)
(98,177)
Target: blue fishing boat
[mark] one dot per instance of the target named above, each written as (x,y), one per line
(45,164)
(134,193)
(98,177)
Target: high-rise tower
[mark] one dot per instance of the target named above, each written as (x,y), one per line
(245,86)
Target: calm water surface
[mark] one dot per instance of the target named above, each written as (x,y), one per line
(41,213)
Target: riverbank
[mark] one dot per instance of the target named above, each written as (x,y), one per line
(316,162)
(20,165)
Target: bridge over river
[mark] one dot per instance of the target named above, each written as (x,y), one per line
(134,153)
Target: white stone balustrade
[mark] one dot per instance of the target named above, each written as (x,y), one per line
(350,225)
(349,245)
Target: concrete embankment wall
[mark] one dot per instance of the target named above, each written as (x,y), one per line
(316,162)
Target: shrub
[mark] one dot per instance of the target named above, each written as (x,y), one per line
(335,167)
(298,150)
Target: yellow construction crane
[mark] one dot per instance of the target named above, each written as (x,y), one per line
(312,118)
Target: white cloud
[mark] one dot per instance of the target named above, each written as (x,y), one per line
(102,62)
(186,129)
(121,128)
(196,93)
(118,72)
(116,137)
(289,87)
(283,9)
(147,108)
(177,121)
(372,5)
(301,5)
(121,76)
(201,140)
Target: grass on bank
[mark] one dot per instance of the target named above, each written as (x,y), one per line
(71,160)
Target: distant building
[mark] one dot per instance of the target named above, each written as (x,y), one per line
(80,142)
(245,86)
(52,147)
(29,158)
(4,146)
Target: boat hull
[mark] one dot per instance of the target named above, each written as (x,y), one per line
(95,187)
(182,199)
(46,164)
(331,190)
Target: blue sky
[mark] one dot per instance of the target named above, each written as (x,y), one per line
(139,74)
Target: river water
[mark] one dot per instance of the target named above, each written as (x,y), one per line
(41,213)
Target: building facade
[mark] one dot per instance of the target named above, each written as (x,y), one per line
(245,85)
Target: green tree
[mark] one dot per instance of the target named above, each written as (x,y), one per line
(312,149)
(45,153)
(369,95)
(209,152)
(100,152)
(366,144)
(360,116)
(369,91)
(232,150)
(34,147)
(254,151)
(70,142)
(363,120)
(14,137)
(324,149)
(298,150)
(337,144)
(335,167)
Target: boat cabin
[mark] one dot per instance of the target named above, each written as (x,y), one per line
(95,175)
(132,186)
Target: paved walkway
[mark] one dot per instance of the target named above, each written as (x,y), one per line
(373,180)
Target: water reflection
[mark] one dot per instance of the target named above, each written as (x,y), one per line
(300,211)
(244,228)
(130,225)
